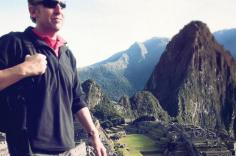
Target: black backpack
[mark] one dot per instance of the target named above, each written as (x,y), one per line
(13,104)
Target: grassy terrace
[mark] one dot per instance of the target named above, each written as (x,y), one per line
(134,143)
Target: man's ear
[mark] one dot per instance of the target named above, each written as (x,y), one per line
(32,11)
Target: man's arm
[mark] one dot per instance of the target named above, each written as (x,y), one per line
(87,122)
(33,65)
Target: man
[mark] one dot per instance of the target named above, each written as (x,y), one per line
(43,88)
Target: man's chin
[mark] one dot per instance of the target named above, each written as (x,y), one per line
(57,27)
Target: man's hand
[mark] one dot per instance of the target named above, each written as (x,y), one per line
(87,122)
(100,150)
(34,65)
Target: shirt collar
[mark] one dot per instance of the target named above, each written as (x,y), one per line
(50,40)
(55,44)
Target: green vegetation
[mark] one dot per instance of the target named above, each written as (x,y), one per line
(107,115)
(112,82)
(134,143)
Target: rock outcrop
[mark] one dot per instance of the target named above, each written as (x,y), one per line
(142,104)
(195,79)
(124,108)
(145,104)
(93,94)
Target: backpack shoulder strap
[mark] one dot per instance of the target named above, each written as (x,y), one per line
(29,44)
(26,41)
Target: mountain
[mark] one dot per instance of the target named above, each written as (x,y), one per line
(100,105)
(195,79)
(142,104)
(228,39)
(128,71)
(93,94)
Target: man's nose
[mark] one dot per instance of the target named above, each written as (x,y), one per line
(58,8)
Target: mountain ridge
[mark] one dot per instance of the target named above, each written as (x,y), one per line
(115,70)
(195,79)
(126,71)
(227,37)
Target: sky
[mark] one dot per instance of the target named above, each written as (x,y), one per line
(97,29)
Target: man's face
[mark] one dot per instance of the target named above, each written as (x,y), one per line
(48,18)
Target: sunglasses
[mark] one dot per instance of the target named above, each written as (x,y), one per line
(52,4)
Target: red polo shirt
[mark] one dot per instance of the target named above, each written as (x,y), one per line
(55,44)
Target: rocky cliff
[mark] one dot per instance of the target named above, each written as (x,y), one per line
(93,94)
(145,104)
(195,79)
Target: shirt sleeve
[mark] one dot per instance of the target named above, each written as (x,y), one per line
(78,94)
(9,46)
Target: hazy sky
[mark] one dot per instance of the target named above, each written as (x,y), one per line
(96,29)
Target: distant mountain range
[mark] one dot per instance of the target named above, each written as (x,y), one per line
(127,72)
(228,39)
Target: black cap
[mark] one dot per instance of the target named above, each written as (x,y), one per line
(35,1)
